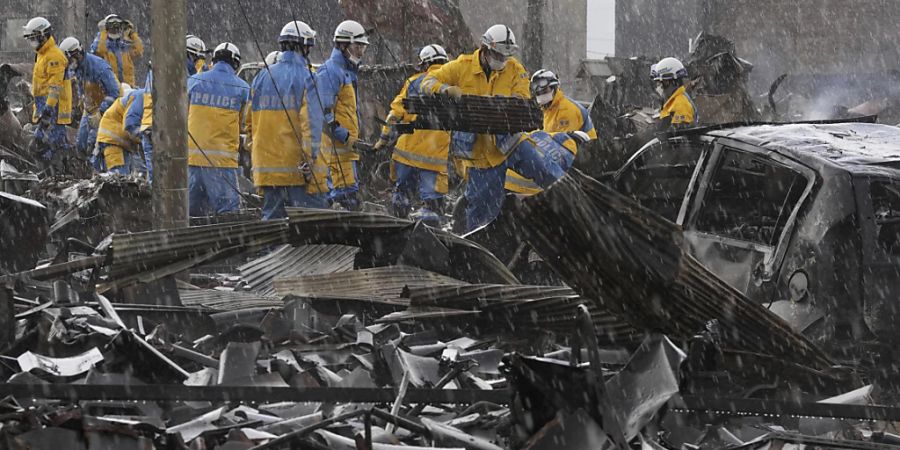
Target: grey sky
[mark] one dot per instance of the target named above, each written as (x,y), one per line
(601,30)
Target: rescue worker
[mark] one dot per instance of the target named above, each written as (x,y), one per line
(336,82)
(285,125)
(490,71)
(678,109)
(561,115)
(139,122)
(119,44)
(195,61)
(98,87)
(113,142)
(217,102)
(51,89)
(419,159)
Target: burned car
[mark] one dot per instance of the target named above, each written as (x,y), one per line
(803,218)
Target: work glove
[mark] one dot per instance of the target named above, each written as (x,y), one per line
(453,91)
(380,145)
(335,131)
(306,170)
(361,146)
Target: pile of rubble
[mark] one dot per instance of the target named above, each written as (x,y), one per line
(334,329)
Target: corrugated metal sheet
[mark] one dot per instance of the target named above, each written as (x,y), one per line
(631,262)
(378,284)
(150,255)
(227,300)
(288,261)
(551,308)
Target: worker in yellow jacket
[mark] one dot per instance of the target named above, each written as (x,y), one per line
(218,101)
(336,82)
(561,115)
(419,159)
(286,125)
(678,109)
(50,87)
(114,143)
(119,44)
(490,71)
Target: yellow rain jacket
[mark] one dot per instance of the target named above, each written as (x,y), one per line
(276,150)
(680,107)
(119,53)
(217,103)
(424,149)
(466,73)
(112,131)
(49,84)
(561,115)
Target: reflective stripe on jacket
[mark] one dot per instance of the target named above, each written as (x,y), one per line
(424,149)
(217,102)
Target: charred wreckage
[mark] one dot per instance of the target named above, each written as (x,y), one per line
(725,286)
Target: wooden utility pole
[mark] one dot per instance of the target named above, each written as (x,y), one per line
(170,169)
(533,48)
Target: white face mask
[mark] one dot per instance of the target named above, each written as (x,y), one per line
(661,92)
(114,35)
(544,99)
(354,60)
(496,65)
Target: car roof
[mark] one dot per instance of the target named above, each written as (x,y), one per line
(853,146)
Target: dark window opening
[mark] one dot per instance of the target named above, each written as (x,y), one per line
(658,178)
(886,205)
(750,198)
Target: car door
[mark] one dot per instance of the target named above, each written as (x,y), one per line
(660,176)
(740,219)
(878,201)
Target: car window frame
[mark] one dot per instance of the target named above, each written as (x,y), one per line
(776,256)
(706,142)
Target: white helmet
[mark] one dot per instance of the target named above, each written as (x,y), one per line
(432,54)
(195,45)
(668,69)
(500,39)
(297,31)
(112,23)
(36,27)
(229,53)
(70,45)
(543,79)
(352,32)
(272,58)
